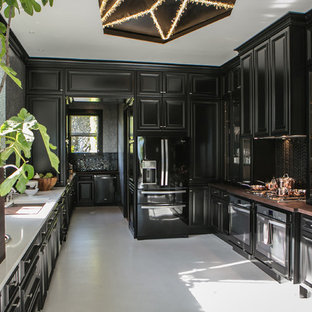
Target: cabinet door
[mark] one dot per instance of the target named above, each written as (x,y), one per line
(174,84)
(198,207)
(174,111)
(280,82)
(309,44)
(99,82)
(149,114)
(149,83)
(261,91)
(204,85)
(50,112)
(247,93)
(45,81)
(205,141)
(85,193)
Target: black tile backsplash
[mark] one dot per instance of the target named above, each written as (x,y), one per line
(291,157)
(97,162)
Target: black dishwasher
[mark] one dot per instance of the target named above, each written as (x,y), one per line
(105,189)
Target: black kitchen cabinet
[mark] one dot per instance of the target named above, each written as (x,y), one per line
(100,82)
(49,110)
(85,190)
(309,38)
(247,94)
(206,141)
(261,90)
(162,114)
(231,81)
(273,81)
(204,85)
(45,80)
(199,210)
(306,250)
(280,82)
(161,83)
(218,202)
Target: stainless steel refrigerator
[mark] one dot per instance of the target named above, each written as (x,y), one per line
(162,184)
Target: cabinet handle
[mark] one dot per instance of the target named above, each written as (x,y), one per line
(190,93)
(27,261)
(30,296)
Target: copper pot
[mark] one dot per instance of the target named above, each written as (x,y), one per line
(286,181)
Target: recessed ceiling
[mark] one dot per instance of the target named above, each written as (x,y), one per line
(73,29)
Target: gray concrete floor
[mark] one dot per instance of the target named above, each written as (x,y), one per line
(102,268)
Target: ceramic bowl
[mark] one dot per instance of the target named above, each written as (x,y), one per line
(31,192)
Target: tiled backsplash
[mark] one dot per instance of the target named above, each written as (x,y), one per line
(291,157)
(98,162)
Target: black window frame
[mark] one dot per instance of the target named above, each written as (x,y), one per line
(87,112)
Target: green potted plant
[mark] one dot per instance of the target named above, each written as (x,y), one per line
(18,134)
(20,124)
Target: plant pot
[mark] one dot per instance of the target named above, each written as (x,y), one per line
(2,226)
(46,184)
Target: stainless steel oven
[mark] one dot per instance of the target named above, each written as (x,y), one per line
(306,251)
(272,241)
(162,213)
(240,223)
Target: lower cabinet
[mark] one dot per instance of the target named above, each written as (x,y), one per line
(219,201)
(199,216)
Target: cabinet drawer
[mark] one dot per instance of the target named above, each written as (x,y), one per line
(85,178)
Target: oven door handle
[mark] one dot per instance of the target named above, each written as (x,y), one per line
(161,207)
(307,239)
(240,209)
(276,223)
(162,176)
(162,192)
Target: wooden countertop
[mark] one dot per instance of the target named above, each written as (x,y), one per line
(291,206)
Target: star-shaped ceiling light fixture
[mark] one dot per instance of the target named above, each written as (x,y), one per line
(160,20)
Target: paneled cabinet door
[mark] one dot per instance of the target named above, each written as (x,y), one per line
(85,194)
(149,113)
(203,84)
(174,84)
(174,111)
(247,93)
(149,83)
(198,209)
(280,82)
(206,142)
(50,112)
(309,43)
(261,90)
(45,80)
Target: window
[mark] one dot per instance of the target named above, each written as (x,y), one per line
(84,132)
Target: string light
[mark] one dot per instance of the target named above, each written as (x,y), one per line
(154,7)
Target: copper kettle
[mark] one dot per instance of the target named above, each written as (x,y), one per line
(286,181)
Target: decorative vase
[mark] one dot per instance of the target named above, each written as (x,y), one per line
(2,226)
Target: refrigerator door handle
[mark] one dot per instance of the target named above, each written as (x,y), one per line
(162,162)
(167,162)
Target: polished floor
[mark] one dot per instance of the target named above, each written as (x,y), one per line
(102,268)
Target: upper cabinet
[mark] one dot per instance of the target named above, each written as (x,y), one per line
(247,94)
(273,80)
(161,114)
(45,80)
(161,84)
(309,38)
(261,90)
(204,85)
(100,82)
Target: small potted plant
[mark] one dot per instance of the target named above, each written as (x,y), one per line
(18,135)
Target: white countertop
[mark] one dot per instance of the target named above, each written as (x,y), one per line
(23,229)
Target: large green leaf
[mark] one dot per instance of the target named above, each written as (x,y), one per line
(27,174)
(9,182)
(11,73)
(54,160)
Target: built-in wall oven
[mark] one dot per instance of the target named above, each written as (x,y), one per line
(240,223)
(162,213)
(272,239)
(306,251)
